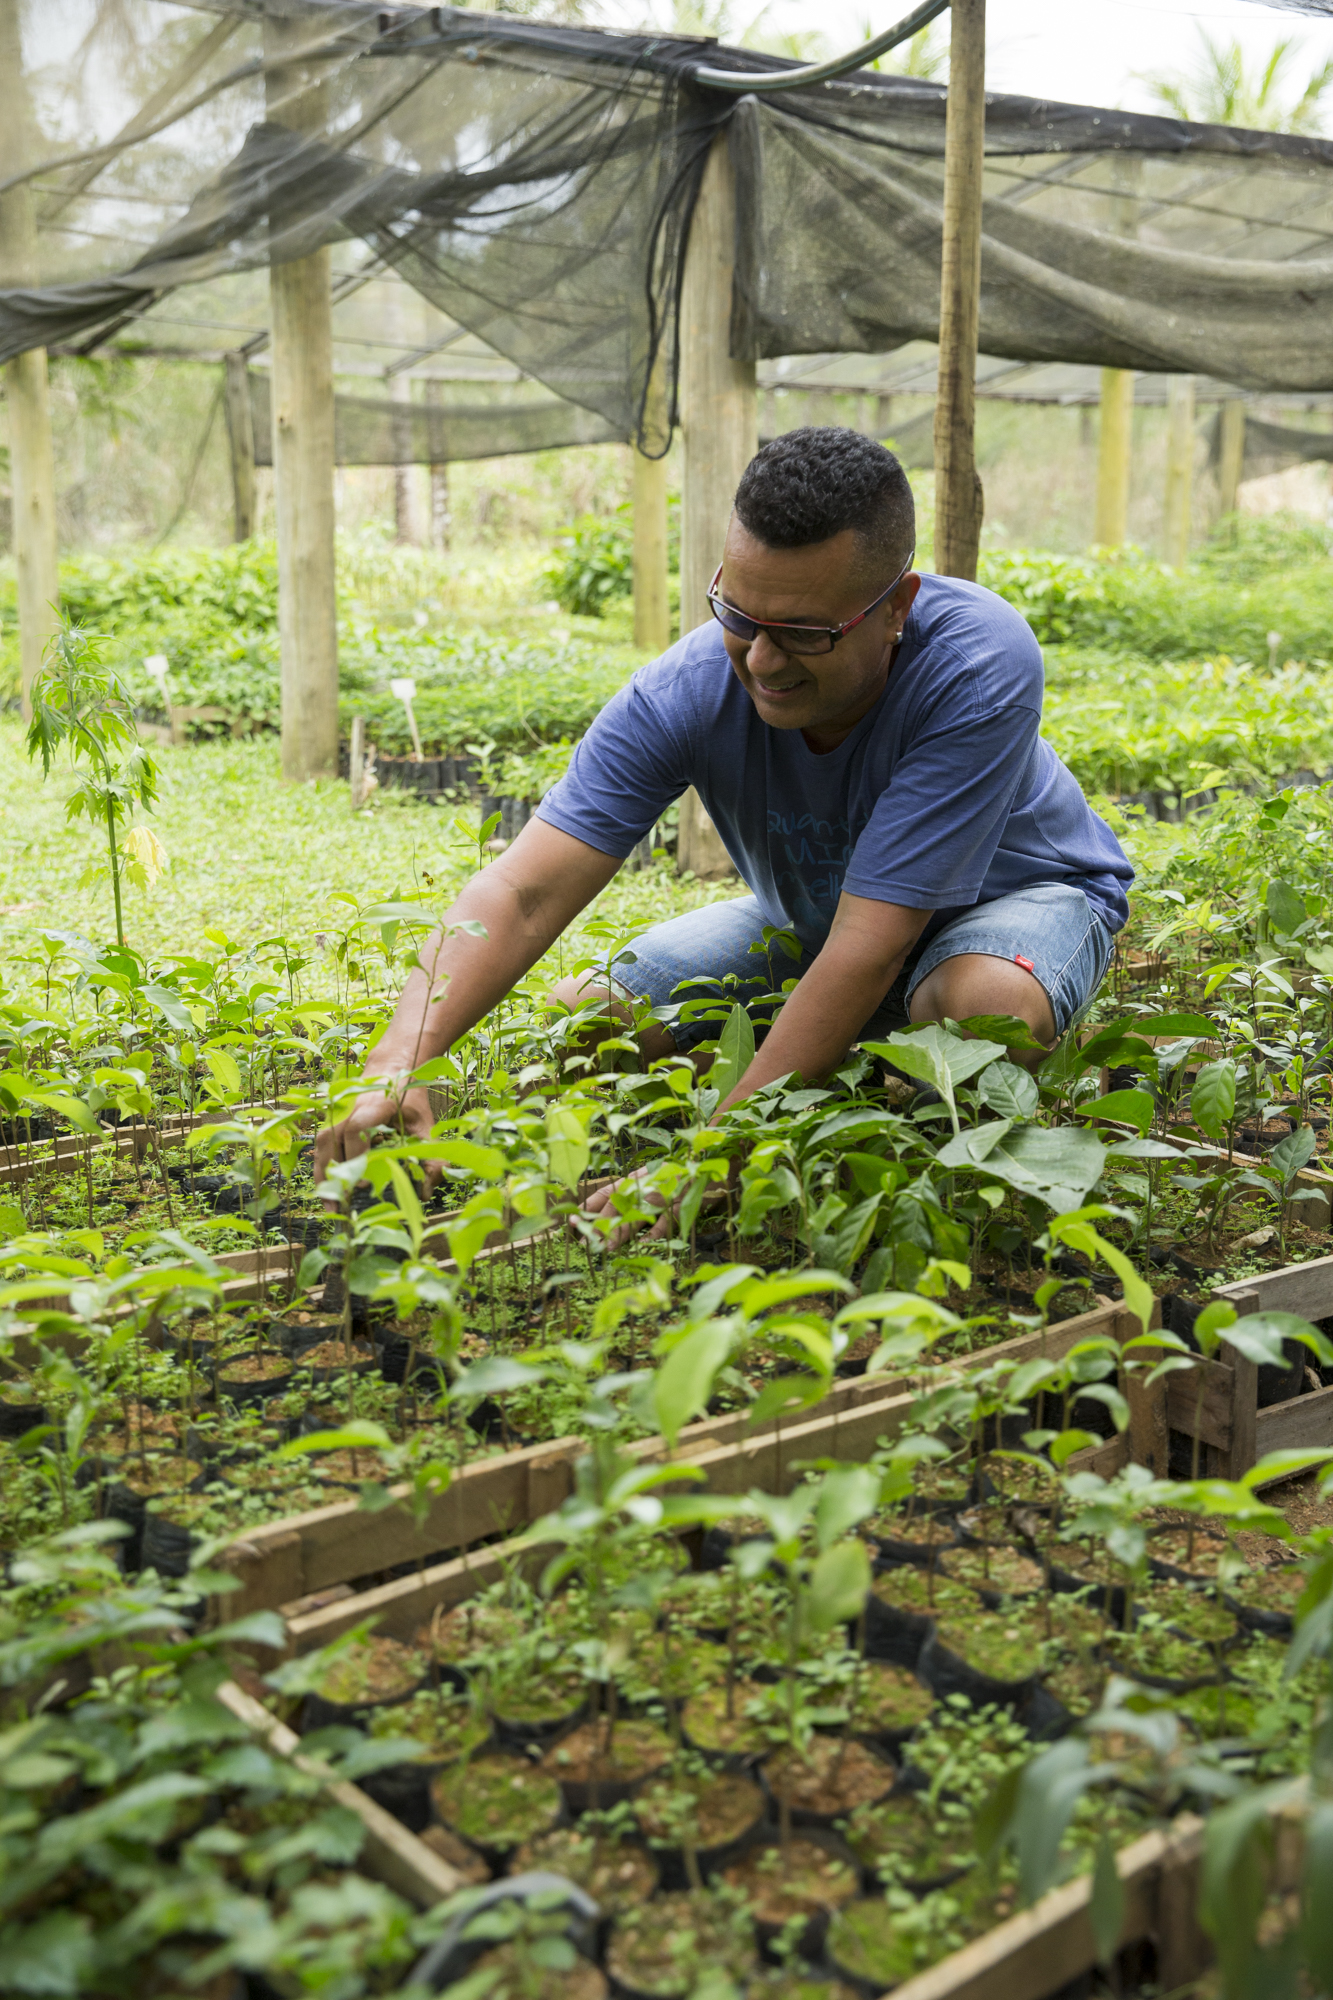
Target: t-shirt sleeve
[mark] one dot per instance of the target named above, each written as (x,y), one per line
(934,830)
(632,764)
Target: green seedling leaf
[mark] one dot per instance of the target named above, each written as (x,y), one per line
(1290,1154)
(735,1052)
(1283,1465)
(838,1587)
(170,1006)
(1009,1091)
(1067,1443)
(224,1070)
(684,1382)
(786,1396)
(1258,1339)
(486,1162)
(1005,1028)
(935,1057)
(1125,1107)
(358,1435)
(496,1375)
(846,1495)
(1320,956)
(1285,906)
(1213,1099)
(567,1145)
(1059,1164)
(1196,1025)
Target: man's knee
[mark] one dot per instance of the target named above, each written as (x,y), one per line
(975,983)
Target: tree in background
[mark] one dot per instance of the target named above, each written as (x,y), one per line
(1220,90)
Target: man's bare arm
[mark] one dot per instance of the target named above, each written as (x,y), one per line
(525,900)
(868,943)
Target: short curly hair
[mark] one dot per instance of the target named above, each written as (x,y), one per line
(813,483)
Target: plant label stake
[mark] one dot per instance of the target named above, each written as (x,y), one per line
(405,690)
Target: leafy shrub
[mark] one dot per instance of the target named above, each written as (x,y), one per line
(1254,577)
(595,563)
(472,687)
(212,612)
(1148,725)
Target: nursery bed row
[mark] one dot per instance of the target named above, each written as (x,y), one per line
(500,1801)
(289,1559)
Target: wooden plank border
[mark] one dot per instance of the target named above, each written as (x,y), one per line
(299,1554)
(390,1853)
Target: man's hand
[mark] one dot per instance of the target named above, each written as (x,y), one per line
(599,1202)
(514,911)
(409,1115)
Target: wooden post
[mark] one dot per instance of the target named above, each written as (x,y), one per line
(1231,457)
(1114,449)
(32,471)
(652,612)
(408,525)
(303,459)
(241,433)
(958,496)
(439,479)
(719,420)
(356,763)
(1179,470)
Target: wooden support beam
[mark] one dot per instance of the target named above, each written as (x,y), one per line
(389,1851)
(439,479)
(719,422)
(958,496)
(1114,455)
(241,437)
(32,473)
(409,527)
(1231,456)
(303,450)
(1179,470)
(652,611)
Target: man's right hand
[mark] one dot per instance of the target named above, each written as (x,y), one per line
(409,1115)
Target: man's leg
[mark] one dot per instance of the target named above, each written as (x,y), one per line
(1039,954)
(975,983)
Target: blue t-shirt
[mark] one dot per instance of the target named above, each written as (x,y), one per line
(943,796)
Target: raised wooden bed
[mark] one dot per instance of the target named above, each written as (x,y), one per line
(67,1153)
(847,1425)
(1234,1429)
(1030,1956)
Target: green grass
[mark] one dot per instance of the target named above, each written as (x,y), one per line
(252,857)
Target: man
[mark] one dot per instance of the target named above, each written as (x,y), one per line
(866,742)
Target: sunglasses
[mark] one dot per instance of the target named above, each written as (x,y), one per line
(804,639)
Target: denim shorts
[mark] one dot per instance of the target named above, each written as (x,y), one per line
(1050,929)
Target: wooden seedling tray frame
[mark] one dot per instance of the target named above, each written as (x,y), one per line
(848,1425)
(390,1853)
(67,1153)
(1235,1432)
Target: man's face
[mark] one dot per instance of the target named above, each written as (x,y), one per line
(825,583)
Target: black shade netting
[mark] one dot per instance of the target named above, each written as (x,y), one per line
(1272,447)
(535,183)
(372,430)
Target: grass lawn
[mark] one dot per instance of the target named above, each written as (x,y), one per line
(252,857)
